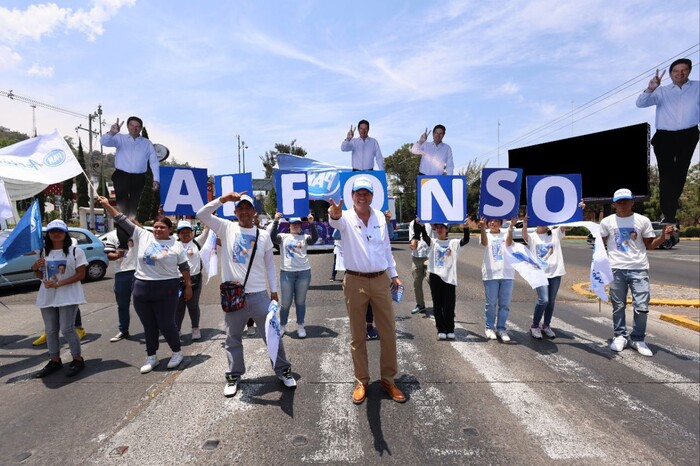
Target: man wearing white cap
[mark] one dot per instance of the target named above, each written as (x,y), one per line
(630,236)
(247,258)
(369,271)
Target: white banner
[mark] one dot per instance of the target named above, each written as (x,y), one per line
(601,273)
(45,159)
(273,333)
(520,258)
(210,259)
(5,206)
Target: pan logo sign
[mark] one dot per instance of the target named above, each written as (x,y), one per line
(54,158)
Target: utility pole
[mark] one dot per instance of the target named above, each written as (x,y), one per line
(238,138)
(498,144)
(34,120)
(244,148)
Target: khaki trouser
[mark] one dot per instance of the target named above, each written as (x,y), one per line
(359,291)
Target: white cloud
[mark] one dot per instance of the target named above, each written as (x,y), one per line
(91,22)
(32,23)
(8,58)
(43,71)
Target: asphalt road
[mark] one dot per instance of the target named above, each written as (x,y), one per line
(568,400)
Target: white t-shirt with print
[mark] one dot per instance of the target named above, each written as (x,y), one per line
(422,247)
(547,250)
(158,259)
(127,262)
(494,266)
(60,266)
(442,259)
(193,258)
(293,251)
(626,249)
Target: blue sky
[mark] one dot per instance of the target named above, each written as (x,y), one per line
(199,73)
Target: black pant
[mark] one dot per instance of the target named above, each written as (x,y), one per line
(155,302)
(673,149)
(443,304)
(127,189)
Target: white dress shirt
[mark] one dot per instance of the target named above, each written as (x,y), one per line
(132,154)
(676,107)
(434,158)
(366,248)
(364,153)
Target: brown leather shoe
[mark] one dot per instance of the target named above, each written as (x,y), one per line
(394,392)
(360,393)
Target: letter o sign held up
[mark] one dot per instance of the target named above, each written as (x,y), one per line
(553,199)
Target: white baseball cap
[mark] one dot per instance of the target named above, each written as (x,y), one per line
(57,225)
(623,193)
(184,224)
(362,182)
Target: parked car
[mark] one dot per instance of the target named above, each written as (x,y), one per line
(518,230)
(658,231)
(18,271)
(401,232)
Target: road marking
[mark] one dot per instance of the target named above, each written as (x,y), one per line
(338,425)
(636,362)
(557,437)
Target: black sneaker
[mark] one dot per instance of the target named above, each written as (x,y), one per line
(75,367)
(50,368)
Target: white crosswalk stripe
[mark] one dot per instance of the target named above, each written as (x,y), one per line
(557,436)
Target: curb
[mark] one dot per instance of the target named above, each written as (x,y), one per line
(581,288)
(682,321)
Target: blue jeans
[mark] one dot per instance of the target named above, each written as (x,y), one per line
(123,284)
(638,283)
(498,294)
(294,284)
(546,296)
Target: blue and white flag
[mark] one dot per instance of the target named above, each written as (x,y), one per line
(324,178)
(273,332)
(26,236)
(601,272)
(43,159)
(210,259)
(521,259)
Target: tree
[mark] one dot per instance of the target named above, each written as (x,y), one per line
(473,176)
(67,199)
(689,213)
(402,170)
(269,160)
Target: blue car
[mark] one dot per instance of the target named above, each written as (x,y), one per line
(18,271)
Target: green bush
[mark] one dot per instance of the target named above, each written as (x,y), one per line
(577,231)
(690,232)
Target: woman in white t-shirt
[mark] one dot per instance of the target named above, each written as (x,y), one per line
(295,269)
(156,283)
(442,273)
(61,269)
(498,277)
(191,245)
(545,245)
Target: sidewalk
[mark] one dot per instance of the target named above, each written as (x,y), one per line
(685,302)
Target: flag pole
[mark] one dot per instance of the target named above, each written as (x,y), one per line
(90,183)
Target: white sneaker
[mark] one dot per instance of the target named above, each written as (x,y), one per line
(618,343)
(175,360)
(450,336)
(301,331)
(251,331)
(231,386)
(549,333)
(287,379)
(442,336)
(642,348)
(490,334)
(536,332)
(503,335)
(150,364)
(196,334)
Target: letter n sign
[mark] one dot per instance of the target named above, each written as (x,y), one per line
(442,199)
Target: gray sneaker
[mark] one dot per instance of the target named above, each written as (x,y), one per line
(642,348)
(417,309)
(287,378)
(548,332)
(619,343)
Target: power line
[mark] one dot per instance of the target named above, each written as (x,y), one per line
(597,100)
(28,100)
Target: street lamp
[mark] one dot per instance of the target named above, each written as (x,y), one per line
(244,147)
